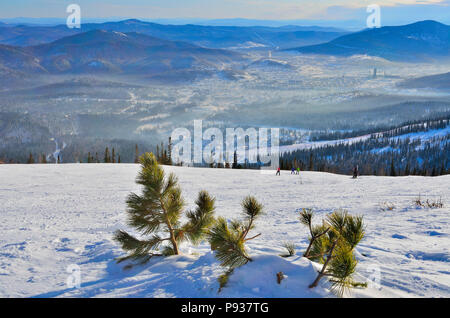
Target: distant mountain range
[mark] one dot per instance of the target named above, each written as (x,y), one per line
(207,36)
(438,81)
(314,25)
(420,41)
(180,52)
(129,52)
(26,35)
(101,51)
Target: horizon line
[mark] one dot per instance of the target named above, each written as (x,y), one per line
(161,21)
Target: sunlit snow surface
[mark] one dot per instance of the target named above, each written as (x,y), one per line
(57,215)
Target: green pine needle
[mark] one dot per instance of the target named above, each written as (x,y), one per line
(158,210)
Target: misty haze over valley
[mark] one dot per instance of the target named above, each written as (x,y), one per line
(130,82)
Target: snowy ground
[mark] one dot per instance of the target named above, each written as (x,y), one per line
(53,216)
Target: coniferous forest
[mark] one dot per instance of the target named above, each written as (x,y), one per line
(412,148)
(400,151)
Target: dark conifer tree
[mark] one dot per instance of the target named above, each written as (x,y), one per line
(136,154)
(392,171)
(169,150)
(107,158)
(407,173)
(30,159)
(235,160)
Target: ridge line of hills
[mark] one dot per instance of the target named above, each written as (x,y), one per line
(136,47)
(417,42)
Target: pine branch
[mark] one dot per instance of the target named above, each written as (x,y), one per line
(251,238)
(228,245)
(135,246)
(354,231)
(200,219)
(252,209)
(324,267)
(142,259)
(316,234)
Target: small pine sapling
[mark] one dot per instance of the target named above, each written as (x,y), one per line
(158,210)
(335,250)
(228,239)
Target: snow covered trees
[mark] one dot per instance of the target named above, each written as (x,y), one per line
(332,245)
(159,209)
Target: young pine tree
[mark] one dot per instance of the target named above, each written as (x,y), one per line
(335,250)
(156,214)
(228,239)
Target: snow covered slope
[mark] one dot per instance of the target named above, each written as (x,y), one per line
(424,137)
(57,215)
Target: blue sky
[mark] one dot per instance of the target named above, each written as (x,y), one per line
(393,11)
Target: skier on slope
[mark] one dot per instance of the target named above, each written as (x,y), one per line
(355,172)
(278,172)
(292,170)
(298,170)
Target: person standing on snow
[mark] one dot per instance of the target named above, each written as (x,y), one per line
(355,172)
(298,170)
(278,172)
(292,170)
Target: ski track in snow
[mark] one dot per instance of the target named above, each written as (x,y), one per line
(57,215)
